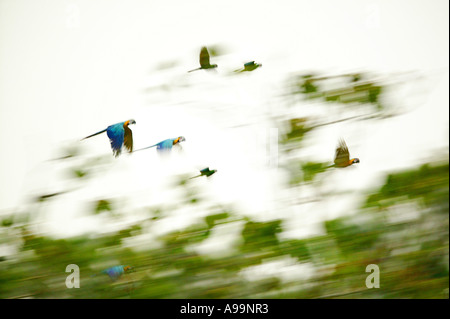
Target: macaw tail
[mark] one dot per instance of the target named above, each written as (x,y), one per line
(195,70)
(145,148)
(94,134)
(195,176)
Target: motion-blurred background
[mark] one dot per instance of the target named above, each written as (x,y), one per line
(274,221)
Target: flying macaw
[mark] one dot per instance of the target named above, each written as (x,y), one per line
(342,157)
(119,135)
(204,60)
(116,272)
(205,172)
(249,66)
(165,145)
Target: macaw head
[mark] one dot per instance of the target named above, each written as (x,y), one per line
(129,122)
(128,269)
(179,139)
(354,160)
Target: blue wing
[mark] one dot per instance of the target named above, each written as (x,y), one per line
(165,145)
(116,134)
(114,272)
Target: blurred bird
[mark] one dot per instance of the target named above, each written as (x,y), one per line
(166,145)
(249,66)
(204,60)
(119,135)
(116,272)
(205,172)
(342,157)
(45,197)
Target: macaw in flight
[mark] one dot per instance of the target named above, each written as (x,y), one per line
(249,66)
(119,135)
(342,156)
(204,61)
(115,272)
(205,172)
(165,145)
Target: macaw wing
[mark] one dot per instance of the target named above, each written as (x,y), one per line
(205,170)
(116,136)
(204,57)
(114,272)
(165,145)
(342,156)
(110,274)
(128,139)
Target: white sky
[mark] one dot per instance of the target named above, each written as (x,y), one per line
(71,68)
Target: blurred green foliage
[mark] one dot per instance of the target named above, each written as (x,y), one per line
(402,227)
(412,254)
(352,88)
(299,127)
(102,205)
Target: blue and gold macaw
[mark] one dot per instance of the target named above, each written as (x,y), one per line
(342,156)
(116,272)
(165,145)
(204,61)
(119,135)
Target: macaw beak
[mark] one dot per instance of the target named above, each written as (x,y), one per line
(132,122)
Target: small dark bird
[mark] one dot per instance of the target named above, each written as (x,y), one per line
(342,157)
(205,172)
(204,61)
(249,66)
(44,197)
(119,135)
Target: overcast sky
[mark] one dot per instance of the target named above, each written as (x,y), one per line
(71,68)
